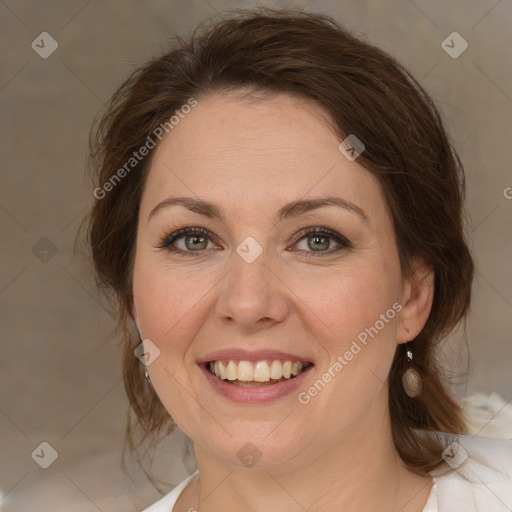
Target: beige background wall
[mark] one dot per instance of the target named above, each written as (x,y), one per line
(59,367)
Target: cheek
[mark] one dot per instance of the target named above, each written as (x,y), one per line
(349,302)
(171,310)
(165,301)
(357,330)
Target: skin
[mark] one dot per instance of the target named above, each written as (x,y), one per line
(250,158)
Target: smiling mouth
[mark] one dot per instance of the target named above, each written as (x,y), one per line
(260,373)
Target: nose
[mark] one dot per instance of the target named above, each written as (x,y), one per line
(252,296)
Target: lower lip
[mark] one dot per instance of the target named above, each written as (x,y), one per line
(256,394)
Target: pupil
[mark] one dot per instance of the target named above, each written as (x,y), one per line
(325,245)
(195,244)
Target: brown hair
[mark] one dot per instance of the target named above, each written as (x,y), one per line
(365,92)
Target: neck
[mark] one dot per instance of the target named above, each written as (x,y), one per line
(362,471)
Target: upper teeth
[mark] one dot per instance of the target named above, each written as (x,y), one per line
(260,371)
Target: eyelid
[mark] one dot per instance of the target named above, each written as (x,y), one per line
(342,242)
(179,232)
(313,230)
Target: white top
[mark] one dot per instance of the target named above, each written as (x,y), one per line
(477,477)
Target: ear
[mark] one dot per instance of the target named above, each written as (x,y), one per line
(417,297)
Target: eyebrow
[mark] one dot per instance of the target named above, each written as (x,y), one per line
(292,209)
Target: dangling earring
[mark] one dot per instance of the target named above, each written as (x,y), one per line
(411,378)
(139,328)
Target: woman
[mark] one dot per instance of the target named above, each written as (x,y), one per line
(279,212)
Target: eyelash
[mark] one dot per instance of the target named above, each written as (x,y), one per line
(167,241)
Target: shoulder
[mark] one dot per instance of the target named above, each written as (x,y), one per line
(167,503)
(476,475)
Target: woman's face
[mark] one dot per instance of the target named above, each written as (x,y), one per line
(256,286)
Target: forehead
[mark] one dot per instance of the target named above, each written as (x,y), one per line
(252,151)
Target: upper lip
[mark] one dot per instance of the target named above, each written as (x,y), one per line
(238,354)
